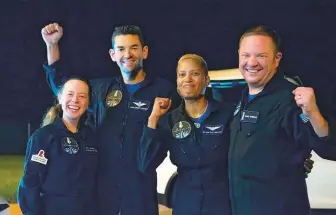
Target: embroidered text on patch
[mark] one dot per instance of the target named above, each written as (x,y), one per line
(90,149)
(213,129)
(139,105)
(40,158)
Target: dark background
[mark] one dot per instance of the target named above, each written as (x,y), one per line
(210,28)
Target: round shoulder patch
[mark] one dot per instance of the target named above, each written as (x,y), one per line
(114,98)
(181,130)
(70,145)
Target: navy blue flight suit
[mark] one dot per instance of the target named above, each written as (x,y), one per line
(269,141)
(119,119)
(200,155)
(60,172)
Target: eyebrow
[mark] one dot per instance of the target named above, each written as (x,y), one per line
(254,53)
(193,70)
(134,45)
(71,91)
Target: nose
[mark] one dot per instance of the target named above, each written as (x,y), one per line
(74,99)
(252,61)
(127,53)
(188,77)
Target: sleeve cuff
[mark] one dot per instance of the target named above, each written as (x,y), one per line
(150,132)
(51,67)
(331,132)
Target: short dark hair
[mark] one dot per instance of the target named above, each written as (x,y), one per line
(263,31)
(127,29)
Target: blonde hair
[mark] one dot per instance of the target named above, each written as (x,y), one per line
(51,115)
(200,60)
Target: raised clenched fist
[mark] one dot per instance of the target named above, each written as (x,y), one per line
(52,33)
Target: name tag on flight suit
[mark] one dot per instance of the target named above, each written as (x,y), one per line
(213,129)
(249,116)
(90,149)
(139,105)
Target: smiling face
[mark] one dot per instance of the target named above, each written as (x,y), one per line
(74,99)
(128,53)
(191,79)
(257,59)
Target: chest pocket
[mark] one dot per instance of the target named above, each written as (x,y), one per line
(182,145)
(139,110)
(212,135)
(266,117)
(182,142)
(66,159)
(215,143)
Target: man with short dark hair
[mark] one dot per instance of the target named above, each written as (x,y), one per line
(120,107)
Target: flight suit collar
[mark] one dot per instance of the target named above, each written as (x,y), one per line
(58,123)
(212,105)
(274,83)
(122,84)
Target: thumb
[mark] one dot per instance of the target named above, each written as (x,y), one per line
(294,91)
(59,29)
(169,103)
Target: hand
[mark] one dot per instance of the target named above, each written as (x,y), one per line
(52,33)
(161,106)
(305,99)
(308,165)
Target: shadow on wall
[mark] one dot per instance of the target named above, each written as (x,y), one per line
(13,138)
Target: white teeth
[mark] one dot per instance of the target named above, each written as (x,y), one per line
(73,107)
(252,70)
